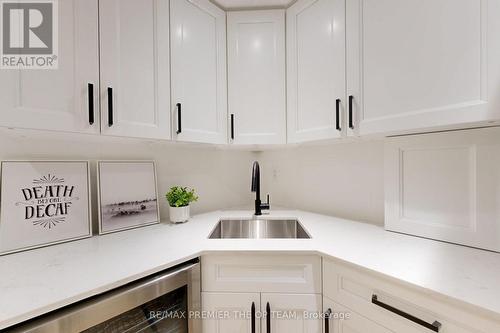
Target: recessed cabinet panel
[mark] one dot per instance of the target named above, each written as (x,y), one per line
(291,313)
(256,76)
(135,68)
(315,69)
(237,306)
(417,65)
(266,273)
(344,320)
(57,99)
(198,49)
(442,186)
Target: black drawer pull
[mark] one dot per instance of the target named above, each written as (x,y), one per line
(110,106)
(351,122)
(253,317)
(328,314)
(337,115)
(435,326)
(90,87)
(179,118)
(268,317)
(232,126)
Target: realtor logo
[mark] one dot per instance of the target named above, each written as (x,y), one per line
(29,34)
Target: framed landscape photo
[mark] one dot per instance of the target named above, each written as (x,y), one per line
(128,196)
(43,203)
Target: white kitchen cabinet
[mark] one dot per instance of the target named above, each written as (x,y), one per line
(134,45)
(287,285)
(198,54)
(395,306)
(58,99)
(445,186)
(236,312)
(291,313)
(256,76)
(418,65)
(351,323)
(316,86)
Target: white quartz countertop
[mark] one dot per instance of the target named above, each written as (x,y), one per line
(38,281)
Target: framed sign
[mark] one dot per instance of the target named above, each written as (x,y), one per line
(43,203)
(128,197)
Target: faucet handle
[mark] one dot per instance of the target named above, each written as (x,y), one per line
(266,205)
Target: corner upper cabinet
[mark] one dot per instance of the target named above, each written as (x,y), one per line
(256,76)
(58,99)
(418,65)
(134,39)
(198,55)
(315,70)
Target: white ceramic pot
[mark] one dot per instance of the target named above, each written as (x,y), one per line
(179,214)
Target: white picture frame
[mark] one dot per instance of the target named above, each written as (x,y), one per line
(133,205)
(43,202)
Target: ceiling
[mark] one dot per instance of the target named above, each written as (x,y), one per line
(247,4)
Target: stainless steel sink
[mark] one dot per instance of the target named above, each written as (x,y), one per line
(259,228)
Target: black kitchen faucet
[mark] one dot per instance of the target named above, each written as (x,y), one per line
(259,206)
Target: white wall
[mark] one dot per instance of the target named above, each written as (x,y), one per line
(221,177)
(343,179)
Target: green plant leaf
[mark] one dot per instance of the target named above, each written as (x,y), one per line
(180,196)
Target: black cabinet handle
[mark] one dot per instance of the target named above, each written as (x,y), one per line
(253,317)
(90,87)
(110,106)
(337,114)
(435,326)
(351,124)
(179,118)
(232,126)
(268,318)
(328,313)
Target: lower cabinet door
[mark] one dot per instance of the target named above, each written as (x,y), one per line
(342,320)
(231,312)
(291,313)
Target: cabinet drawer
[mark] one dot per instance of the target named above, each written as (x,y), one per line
(261,273)
(355,288)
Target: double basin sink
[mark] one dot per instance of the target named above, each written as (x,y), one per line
(259,228)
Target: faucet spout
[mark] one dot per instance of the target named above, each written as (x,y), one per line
(256,178)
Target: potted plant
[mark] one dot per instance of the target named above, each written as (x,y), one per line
(179,199)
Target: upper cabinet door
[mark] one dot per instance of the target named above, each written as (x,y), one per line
(256,72)
(58,99)
(415,65)
(315,69)
(135,68)
(199,89)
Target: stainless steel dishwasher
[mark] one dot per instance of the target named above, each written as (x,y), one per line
(162,303)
